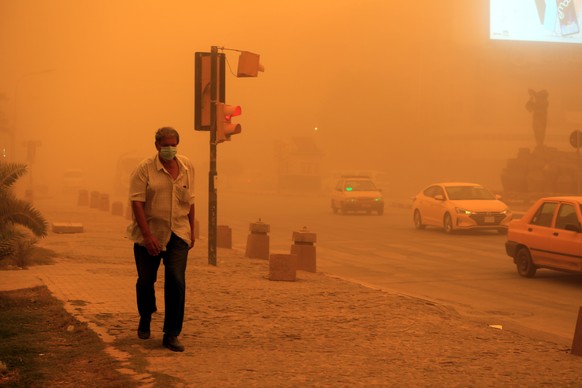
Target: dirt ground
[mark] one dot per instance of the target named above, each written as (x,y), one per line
(242,329)
(43,345)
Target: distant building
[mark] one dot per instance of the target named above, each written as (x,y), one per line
(298,165)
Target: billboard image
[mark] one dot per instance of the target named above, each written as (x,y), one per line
(536,20)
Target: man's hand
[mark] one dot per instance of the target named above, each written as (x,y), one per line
(152,245)
(149,240)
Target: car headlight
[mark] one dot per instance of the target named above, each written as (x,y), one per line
(378,199)
(463,211)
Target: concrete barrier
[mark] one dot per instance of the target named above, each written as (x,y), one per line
(258,242)
(67,227)
(223,236)
(304,248)
(283,267)
(94,200)
(83,199)
(104,202)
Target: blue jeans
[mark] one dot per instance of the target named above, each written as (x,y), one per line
(175,258)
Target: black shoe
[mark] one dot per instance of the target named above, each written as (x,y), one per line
(171,342)
(143,330)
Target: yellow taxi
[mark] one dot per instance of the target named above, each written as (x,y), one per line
(459,206)
(357,194)
(547,236)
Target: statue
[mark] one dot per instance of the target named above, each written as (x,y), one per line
(538,105)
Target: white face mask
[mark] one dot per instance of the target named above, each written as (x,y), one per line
(168,152)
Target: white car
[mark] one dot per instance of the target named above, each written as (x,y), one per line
(459,205)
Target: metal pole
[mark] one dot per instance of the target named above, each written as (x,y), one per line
(576,141)
(212,174)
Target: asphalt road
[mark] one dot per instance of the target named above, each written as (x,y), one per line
(469,272)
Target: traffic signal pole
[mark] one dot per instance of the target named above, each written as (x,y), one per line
(212,173)
(213,115)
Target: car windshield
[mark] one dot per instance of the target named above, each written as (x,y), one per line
(360,185)
(468,192)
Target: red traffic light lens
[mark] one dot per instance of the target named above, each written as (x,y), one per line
(233,111)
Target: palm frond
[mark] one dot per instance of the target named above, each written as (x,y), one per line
(7,248)
(16,211)
(10,241)
(9,173)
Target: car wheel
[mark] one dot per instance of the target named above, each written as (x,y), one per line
(448,223)
(344,210)
(334,209)
(418,220)
(525,267)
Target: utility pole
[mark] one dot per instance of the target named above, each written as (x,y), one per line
(212,173)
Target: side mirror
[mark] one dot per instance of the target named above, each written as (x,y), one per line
(498,197)
(439,197)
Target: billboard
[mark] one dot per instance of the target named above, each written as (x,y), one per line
(536,20)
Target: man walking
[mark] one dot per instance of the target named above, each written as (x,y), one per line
(161,191)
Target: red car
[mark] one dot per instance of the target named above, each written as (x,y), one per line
(547,236)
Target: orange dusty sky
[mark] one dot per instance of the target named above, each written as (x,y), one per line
(412,88)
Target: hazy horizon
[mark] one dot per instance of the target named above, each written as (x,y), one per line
(414,89)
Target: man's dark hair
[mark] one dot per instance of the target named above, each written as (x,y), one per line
(167,132)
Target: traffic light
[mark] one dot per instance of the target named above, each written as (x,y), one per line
(224,127)
(249,65)
(202,86)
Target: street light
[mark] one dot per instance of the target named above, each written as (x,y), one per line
(31,146)
(3,128)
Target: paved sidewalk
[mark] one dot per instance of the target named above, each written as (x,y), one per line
(243,330)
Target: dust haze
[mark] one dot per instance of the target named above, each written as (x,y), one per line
(414,90)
